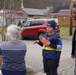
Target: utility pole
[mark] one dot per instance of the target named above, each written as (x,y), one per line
(22,4)
(71,21)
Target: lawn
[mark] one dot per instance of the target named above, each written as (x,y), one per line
(64,31)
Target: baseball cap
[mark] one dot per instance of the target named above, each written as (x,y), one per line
(52,23)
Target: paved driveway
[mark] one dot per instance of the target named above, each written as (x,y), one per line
(34,54)
(34,58)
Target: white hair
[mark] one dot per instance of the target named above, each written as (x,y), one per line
(13,31)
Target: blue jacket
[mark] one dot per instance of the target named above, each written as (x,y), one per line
(56,46)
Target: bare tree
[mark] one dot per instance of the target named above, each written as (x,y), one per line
(13,7)
(3,28)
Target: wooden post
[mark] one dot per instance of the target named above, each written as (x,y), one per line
(71,21)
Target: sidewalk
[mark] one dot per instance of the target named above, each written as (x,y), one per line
(66,67)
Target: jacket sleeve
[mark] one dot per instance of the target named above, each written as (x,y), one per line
(40,43)
(58,45)
(73,43)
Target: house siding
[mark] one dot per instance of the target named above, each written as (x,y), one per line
(61,22)
(65,13)
(66,22)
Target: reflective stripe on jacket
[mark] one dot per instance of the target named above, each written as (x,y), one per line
(49,48)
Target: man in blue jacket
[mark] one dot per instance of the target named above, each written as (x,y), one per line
(52,50)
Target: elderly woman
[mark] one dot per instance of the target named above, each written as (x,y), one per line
(13,52)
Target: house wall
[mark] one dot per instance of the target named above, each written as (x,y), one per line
(24,15)
(66,22)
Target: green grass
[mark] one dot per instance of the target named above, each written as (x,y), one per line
(64,31)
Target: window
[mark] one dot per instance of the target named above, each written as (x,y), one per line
(37,23)
(33,23)
(26,24)
(64,18)
(41,23)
